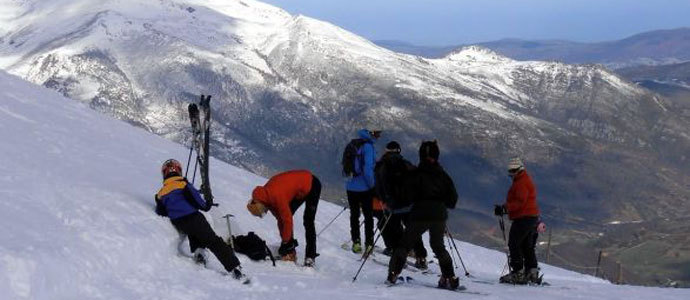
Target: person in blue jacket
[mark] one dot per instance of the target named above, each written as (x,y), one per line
(360,190)
(181,202)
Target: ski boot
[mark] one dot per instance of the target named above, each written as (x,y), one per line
(356,247)
(200,257)
(392,278)
(449,283)
(292,256)
(239,276)
(421,264)
(309,262)
(532,276)
(515,277)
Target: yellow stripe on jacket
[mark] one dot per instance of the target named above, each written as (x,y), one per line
(172,184)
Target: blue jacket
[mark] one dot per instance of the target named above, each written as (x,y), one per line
(365,166)
(177,198)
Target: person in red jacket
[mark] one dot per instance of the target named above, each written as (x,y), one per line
(282,195)
(522,209)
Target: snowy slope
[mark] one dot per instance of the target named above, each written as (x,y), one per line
(78,222)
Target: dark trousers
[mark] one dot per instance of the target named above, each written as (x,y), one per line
(312,201)
(394,232)
(521,242)
(363,201)
(387,232)
(201,235)
(412,234)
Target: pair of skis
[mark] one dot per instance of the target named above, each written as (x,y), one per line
(200,117)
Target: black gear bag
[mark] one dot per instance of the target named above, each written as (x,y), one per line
(252,246)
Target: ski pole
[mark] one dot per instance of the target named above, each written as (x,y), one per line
(450,236)
(331,222)
(501,223)
(227,219)
(189,159)
(368,251)
(450,246)
(195,165)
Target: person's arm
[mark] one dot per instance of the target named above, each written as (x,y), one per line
(369,163)
(161,210)
(195,199)
(285,224)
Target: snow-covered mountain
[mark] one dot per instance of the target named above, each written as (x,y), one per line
(289,92)
(78,223)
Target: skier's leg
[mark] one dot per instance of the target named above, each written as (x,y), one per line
(312,201)
(419,250)
(366,200)
(517,235)
(394,231)
(412,232)
(195,225)
(353,202)
(437,231)
(529,244)
(194,243)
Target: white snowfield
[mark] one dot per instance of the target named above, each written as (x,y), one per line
(77,219)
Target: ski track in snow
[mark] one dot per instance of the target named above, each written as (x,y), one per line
(76,209)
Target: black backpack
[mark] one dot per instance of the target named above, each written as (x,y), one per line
(252,246)
(349,156)
(391,173)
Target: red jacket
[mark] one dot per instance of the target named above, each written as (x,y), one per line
(277,194)
(522,197)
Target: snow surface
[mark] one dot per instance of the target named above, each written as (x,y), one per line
(76,210)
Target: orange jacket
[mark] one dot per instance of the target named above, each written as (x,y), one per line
(522,197)
(277,194)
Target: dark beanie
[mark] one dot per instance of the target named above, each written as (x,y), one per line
(393,146)
(429,149)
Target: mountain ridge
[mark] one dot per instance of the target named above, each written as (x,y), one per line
(657,47)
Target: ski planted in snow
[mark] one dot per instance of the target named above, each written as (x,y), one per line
(200,118)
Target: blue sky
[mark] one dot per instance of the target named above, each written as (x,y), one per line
(446,22)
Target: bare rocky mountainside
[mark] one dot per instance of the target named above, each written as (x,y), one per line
(290,91)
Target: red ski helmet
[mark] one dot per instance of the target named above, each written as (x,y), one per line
(171,166)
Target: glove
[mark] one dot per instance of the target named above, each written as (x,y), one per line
(287,247)
(500,210)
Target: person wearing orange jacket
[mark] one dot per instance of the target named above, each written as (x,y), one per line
(522,209)
(282,195)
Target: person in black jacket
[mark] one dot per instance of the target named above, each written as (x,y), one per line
(432,192)
(391,171)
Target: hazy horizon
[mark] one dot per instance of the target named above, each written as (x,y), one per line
(452,22)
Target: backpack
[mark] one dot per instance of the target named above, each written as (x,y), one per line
(391,173)
(349,155)
(252,246)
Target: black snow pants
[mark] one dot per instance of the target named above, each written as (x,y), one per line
(201,235)
(437,231)
(312,201)
(521,242)
(363,201)
(394,232)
